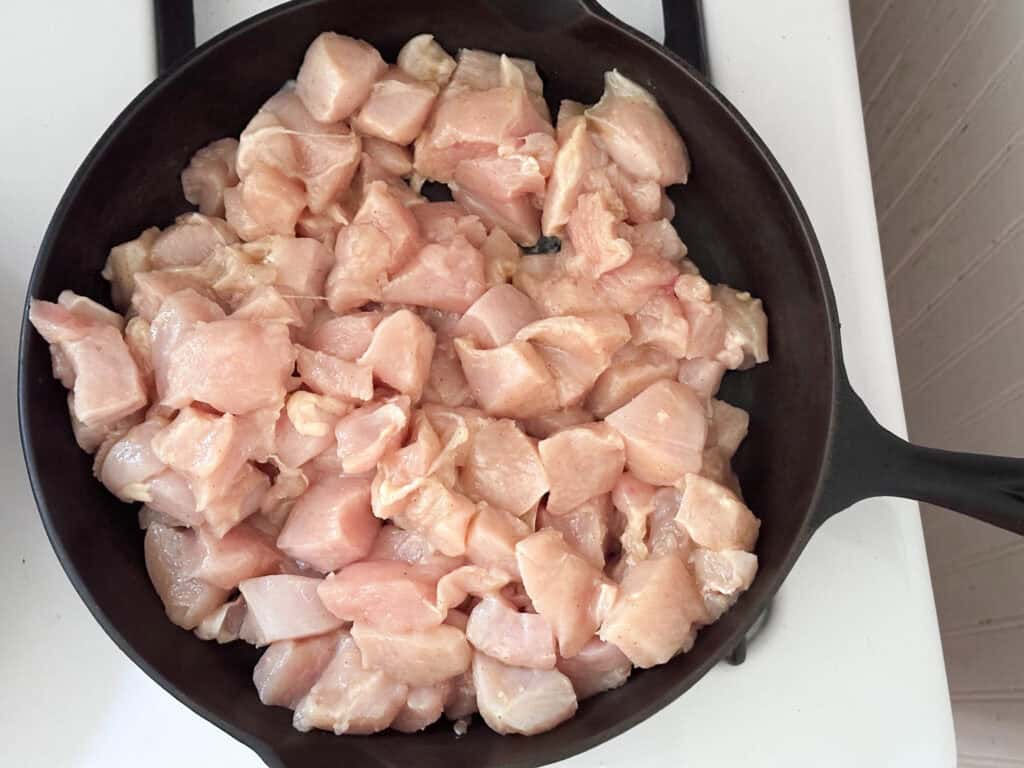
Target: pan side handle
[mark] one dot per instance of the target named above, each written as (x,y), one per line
(684,32)
(175,27)
(866,460)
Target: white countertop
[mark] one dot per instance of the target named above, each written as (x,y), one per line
(849,671)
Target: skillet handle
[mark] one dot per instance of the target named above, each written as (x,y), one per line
(868,460)
(684,31)
(175,27)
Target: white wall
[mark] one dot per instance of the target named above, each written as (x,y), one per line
(942,83)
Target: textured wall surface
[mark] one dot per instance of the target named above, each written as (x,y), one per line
(942,84)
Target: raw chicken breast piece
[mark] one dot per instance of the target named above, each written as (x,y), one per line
(548,424)
(440,222)
(632,370)
(285,136)
(368,433)
(518,700)
(326,165)
(179,314)
(241,500)
(702,375)
(468,580)
(658,238)
(152,289)
(266,202)
(598,667)
(90,355)
(630,286)
(469,123)
(131,461)
(517,216)
(457,426)
(446,382)
(394,543)
(440,514)
(746,327)
(346,337)
(661,323)
(331,524)
(595,231)
(654,615)
(108,385)
(584,528)
(190,241)
(89,311)
(569,592)
(169,494)
(289,668)
(265,304)
(363,253)
(400,353)
(727,571)
(305,427)
(417,658)
(241,553)
(302,264)
(482,70)
(284,607)
(504,469)
(382,209)
(495,317)
(329,375)
(90,438)
(171,559)
(511,380)
(391,158)
(664,429)
(577,156)
(448,277)
(728,427)
(348,698)
(641,201)
(714,517)
(634,501)
(581,463)
(501,257)
(502,178)
(371,171)
(637,134)
(544,279)
(209,450)
(664,535)
(423,58)
(336,76)
(460,701)
(124,262)
(423,706)
(704,317)
(397,108)
(492,538)
(234,366)
(576,349)
(210,171)
(224,624)
(388,594)
(519,639)
(137,337)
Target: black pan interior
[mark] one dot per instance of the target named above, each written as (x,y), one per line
(737,215)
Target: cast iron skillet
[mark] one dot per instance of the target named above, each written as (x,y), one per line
(813,447)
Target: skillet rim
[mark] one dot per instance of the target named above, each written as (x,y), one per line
(152,93)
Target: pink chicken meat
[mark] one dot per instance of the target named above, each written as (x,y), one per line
(431,474)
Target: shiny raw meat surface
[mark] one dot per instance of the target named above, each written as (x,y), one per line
(431,474)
